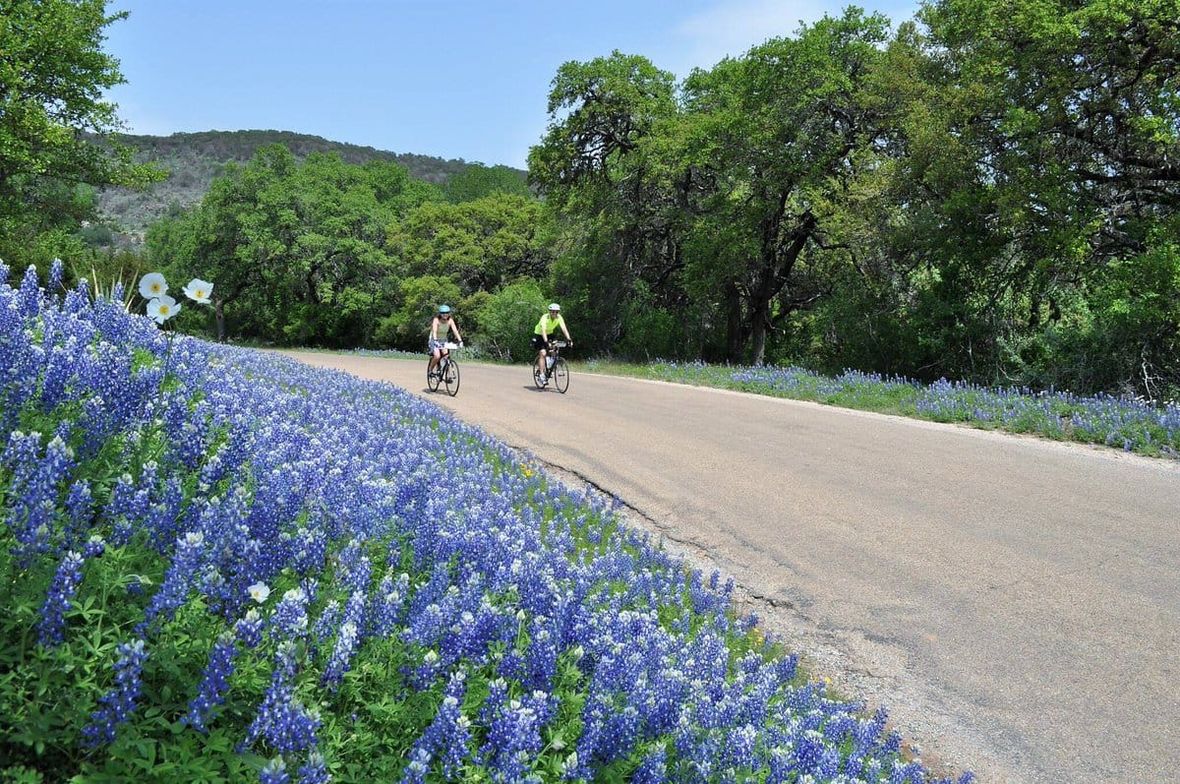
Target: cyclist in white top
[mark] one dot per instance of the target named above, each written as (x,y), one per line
(438,348)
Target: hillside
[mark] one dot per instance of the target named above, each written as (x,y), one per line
(194,159)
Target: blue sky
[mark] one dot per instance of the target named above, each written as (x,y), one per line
(455,79)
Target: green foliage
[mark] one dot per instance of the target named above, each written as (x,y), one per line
(649,331)
(482,244)
(321,252)
(986,194)
(297,251)
(194,160)
(506,319)
(478,181)
(53,76)
(409,326)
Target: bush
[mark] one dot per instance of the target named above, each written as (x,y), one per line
(649,332)
(409,326)
(506,320)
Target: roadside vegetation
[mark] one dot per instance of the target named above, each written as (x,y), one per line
(1133,425)
(219,564)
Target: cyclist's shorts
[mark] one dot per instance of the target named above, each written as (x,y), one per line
(538,342)
(431,345)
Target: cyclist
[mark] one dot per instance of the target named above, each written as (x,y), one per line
(548,324)
(435,347)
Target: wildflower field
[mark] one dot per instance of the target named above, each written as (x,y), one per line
(1130,424)
(222,565)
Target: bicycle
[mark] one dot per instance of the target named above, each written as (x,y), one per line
(556,368)
(447,372)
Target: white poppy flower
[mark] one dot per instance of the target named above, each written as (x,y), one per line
(162,308)
(199,291)
(258,592)
(152,285)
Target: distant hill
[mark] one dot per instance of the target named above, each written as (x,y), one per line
(194,159)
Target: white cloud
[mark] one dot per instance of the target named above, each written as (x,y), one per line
(733,26)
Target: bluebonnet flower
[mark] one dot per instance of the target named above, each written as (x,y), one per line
(311,547)
(249,629)
(51,626)
(417,767)
(351,634)
(32,513)
(289,619)
(315,770)
(514,735)
(653,769)
(179,578)
(215,681)
(388,603)
(541,659)
(56,270)
(30,293)
(346,642)
(274,772)
(94,547)
(282,720)
(116,706)
(328,622)
(449,735)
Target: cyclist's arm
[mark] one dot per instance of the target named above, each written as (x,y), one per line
(434,329)
(561,321)
(455,327)
(544,330)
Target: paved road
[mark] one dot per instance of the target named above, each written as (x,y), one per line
(1016,602)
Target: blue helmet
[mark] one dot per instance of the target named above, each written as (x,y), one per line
(444,308)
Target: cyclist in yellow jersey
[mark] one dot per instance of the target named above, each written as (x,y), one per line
(548,324)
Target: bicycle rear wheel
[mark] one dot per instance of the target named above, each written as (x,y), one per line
(451,377)
(432,379)
(561,375)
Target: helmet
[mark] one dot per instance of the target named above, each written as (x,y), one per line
(554,306)
(444,308)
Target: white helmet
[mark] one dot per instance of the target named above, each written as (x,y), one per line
(554,306)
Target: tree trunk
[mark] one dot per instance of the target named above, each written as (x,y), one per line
(219,318)
(733,325)
(777,263)
(760,317)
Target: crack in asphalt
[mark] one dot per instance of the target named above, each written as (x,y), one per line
(663,529)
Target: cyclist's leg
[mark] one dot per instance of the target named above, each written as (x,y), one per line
(435,356)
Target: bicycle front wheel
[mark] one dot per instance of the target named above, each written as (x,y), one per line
(561,375)
(432,379)
(451,377)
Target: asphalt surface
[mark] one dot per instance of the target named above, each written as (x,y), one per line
(1015,602)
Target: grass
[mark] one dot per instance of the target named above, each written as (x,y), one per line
(1131,424)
